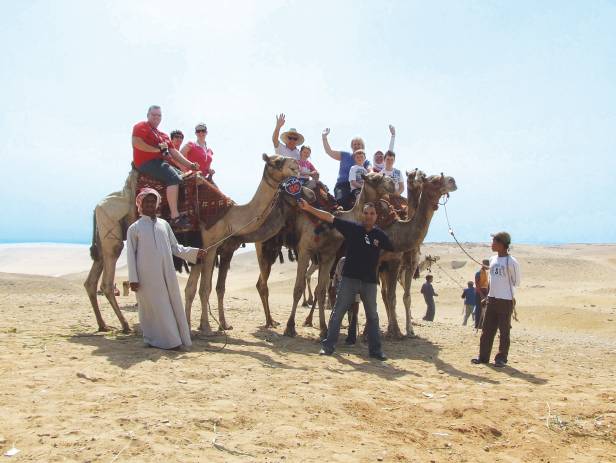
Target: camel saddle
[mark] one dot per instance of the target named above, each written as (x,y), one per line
(200,200)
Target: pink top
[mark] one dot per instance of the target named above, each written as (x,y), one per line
(200,155)
(305,167)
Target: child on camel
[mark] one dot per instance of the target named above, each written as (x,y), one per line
(357,172)
(306,169)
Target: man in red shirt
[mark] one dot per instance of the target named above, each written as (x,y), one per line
(151,151)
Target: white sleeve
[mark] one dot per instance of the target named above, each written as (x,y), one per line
(277,149)
(184,252)
(352,173)
(392,140)
(132,242)
(515,272)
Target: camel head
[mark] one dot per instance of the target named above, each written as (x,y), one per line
(279,168)
(436,186)
(414,182)
(377,186)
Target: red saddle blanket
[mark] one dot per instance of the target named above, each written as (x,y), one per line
(203,204)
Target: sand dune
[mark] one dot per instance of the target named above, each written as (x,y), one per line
(70,394)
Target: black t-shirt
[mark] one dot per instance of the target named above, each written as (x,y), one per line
(362,249)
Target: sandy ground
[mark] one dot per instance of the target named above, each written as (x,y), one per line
(68,393)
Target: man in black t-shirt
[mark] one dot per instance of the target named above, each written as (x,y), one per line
(363,245)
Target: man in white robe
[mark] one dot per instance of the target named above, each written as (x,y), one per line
(150,246)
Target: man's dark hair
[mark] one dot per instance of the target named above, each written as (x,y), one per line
(390,153)
(176,133)
(429,277)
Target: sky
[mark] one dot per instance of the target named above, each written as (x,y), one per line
(516,100)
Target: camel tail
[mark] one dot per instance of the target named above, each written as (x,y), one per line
(94,254)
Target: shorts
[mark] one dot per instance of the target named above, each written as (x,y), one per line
(162,171)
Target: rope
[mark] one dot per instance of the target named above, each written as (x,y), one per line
(450,277)
(453,235)
(209,309)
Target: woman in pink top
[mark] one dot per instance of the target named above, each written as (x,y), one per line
(306,169)
(199,152)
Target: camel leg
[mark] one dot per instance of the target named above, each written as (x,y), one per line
(325,265)
(91,285)
(389,294)
(265,267)
(204,291)
(109,264)
(308,321)
(303,260)
(191,289)
(310,301)
(407,280)
(223,269)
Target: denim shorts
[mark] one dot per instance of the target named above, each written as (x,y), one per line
(161,170)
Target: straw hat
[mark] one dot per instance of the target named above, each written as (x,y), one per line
(285,135)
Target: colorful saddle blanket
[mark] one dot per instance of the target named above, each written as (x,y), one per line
(203,203)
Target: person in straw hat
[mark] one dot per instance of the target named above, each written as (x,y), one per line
(291,139)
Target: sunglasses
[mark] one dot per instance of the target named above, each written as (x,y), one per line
(201,131)
(293,138)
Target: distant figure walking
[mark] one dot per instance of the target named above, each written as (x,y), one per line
(504,276)
(428,293)
(469,301)
(481,290)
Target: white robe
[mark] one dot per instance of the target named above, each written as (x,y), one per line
(150,245)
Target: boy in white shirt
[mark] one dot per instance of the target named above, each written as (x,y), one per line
(357,171)
(504,277)
(391,171)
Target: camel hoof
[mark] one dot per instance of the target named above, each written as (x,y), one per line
(103,329)
(290,331)
(126,329)
(207,331)
(305,304)
(307,323)
(225,327)
(323,333)
(394,334)
(411,335)
(271,323)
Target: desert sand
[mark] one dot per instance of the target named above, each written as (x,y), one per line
(68,393)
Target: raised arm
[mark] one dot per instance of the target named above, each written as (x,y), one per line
(318,213)
(392,140)
(276,135)
(328,149)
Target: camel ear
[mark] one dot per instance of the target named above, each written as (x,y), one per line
(265,157)
(308,195)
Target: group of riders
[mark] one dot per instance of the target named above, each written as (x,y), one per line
(166,159)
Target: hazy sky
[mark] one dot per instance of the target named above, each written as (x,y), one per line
(516,100)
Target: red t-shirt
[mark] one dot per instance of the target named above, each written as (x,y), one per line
(200,155)
(150,136)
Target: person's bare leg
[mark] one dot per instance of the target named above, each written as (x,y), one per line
(172,199)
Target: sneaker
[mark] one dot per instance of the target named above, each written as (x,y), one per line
(477,361)
(500,363)
(325,352)
(379,356)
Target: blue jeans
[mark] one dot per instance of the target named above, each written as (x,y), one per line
(162,171)
(349,287)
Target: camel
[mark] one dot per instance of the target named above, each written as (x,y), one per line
(323,245)
(284,211)
(117,211)
(407,237)
(309,301)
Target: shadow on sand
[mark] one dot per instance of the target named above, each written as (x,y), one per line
(272,350)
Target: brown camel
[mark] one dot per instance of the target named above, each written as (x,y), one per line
(407,236)
(284,210)
(323,245)
(116,212)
